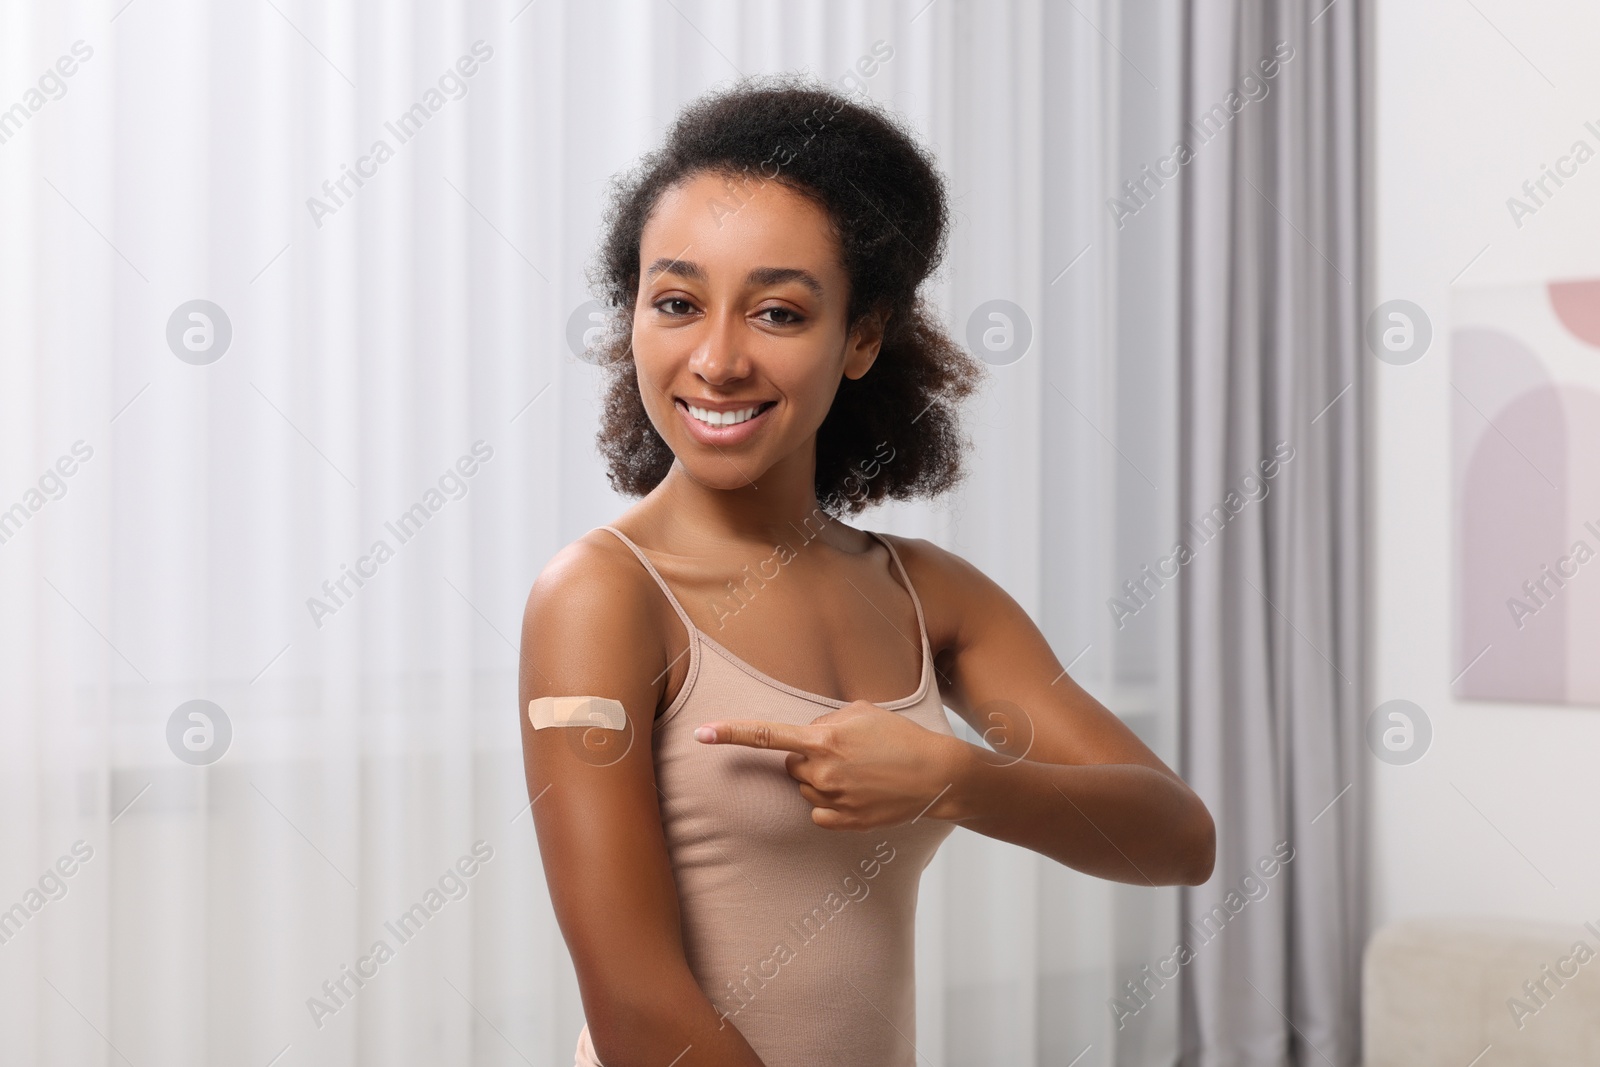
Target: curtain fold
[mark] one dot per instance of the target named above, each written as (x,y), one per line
(1272,492)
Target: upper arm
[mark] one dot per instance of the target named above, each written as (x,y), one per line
(589,630)
(997,671)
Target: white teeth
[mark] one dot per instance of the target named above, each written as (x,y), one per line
(722,418)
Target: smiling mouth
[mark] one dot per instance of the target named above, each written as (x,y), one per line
(719,419)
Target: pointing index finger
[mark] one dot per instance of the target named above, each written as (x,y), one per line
(755,733)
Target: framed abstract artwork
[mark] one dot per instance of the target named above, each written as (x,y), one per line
(1525,427)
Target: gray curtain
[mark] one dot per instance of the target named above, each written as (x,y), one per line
(1272,400)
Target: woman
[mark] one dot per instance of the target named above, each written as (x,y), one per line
(735,869)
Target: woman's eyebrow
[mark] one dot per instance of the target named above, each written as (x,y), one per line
(681,267)
(759,276)
(775,275)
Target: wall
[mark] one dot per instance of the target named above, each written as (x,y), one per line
(1470,100)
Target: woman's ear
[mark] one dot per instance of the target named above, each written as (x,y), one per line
(866,339)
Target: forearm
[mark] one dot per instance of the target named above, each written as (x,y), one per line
(661,1020)
(1125,822)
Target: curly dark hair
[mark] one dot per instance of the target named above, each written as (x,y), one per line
(888,205)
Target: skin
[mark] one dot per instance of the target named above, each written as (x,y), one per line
(1067,778)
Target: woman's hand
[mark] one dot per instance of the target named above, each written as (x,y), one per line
(859,766)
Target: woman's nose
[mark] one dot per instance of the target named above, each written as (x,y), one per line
(720,355)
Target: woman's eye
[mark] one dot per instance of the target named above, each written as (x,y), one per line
(668,307)
(785,316)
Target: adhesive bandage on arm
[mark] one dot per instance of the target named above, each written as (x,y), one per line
(603,712)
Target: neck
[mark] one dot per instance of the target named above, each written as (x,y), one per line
(781,506)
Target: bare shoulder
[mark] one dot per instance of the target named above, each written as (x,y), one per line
(595,572)
(933,566)
(594,563)
(592,618)
(949,587)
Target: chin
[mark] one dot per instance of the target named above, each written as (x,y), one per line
(714,472)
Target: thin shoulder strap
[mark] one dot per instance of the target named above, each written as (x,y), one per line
(662,582)
(916,601)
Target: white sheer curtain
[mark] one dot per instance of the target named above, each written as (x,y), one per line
(403,341)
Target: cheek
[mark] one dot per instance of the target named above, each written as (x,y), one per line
(818,385)
(652,359)
(657,371)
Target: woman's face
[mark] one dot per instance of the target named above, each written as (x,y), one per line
(741,310)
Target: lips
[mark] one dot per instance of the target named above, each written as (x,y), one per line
(730,434)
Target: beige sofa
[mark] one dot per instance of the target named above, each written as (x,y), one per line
(1482,992)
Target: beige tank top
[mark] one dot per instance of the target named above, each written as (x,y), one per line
(801,937)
